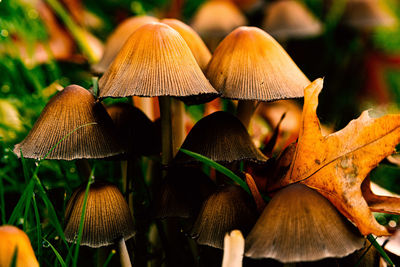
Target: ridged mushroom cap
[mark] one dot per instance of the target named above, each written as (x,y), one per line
(250,65)
(193,40)
(12,238)
(67,115)
(107,216)
(367,14)
(217,18)
(286,19)
(220,137)
(117,39)
(156,61)
(300,225)
(227,209)
(136,131)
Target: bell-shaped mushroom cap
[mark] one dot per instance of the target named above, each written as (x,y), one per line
(220,137)
(183,192)
(367,14)
(155,61)
(193,40)
(250,65)
(135,130)
(72,114)
(227,209)
(217,18)
(286,19)
(299,224)
(12,238)
(117,39)
(107,216)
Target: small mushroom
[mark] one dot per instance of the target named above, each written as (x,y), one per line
(215,19)
(227,209)
(220,137)
(71,126)
(13,240)
(300,225)
(249,65)
(285,19)
(107,217)
(117,39)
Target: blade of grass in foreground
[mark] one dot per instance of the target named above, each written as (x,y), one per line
(2,202)
(58,256)
(18,210)
(38,228)
(381,251)
(219,168)
(112,253)
(80,232)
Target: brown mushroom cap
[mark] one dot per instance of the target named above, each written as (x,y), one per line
(250,65)
(220,137)
(290,19)
(136,131)
(117,39)
(107,216)
(367,14)
(61,118)
(156,61)
(193,40)
(301,225)
(217,18)
(225,210)
(12,238)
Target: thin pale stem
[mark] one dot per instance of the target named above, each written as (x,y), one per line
(245,111)
(123,254)
(166,130)
(178,125)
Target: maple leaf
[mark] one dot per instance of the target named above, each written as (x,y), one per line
(336,165)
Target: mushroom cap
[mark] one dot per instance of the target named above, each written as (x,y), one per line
(290,19)
(367,14)
(107,216)
(227,209)
(220,137)
(301,225)
(64,116)
(117,39)
(156,61)
(250,65)
(12,238)
(193,40)
(217,18)
(183,192)
(137,132)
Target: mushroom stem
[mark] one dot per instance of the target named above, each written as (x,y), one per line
(166,129)
(84,168)
(245,111)
(123,254)
(233,249)
(178,125)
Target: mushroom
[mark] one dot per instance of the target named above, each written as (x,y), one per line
(249,65)
(367,14)
(117,39)
(156,61)
(220,137)
(227,209)
(13,240)
(301,225)
(285,19)
(71,126)
(107,218)
(215,19)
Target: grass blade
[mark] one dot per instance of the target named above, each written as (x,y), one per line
(219,168)
(38,228)
(381,251)
(17,212)
(80,232)
(2,202)
(14,257)
(58,256)
(112,253)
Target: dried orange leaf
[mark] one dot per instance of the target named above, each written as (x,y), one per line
(338,163)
